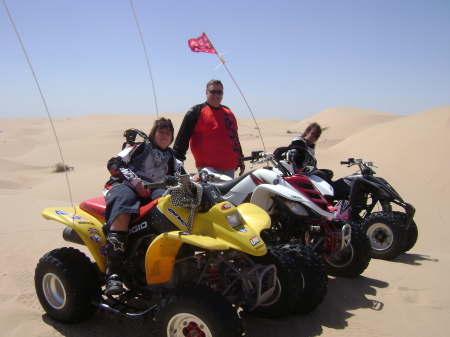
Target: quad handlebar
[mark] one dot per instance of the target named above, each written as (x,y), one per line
(256,155)
(280,156)
(170,181)
(364,167)
(174,182)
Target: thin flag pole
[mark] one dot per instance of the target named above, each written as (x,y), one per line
(223,62)
(146,56)
(45,103)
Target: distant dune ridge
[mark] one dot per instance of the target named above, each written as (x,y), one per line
(405,297)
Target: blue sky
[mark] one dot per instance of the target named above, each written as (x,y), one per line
(291,59)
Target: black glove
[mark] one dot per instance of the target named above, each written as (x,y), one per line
(279,152)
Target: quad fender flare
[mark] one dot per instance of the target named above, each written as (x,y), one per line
(378,184)
(87,228)
(263,193)
(323,186)
(161,254)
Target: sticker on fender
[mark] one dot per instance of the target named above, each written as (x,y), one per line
(254,240)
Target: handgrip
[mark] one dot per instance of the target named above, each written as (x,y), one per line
(254,157)
(161,184)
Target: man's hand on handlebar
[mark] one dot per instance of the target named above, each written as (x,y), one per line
(242,168)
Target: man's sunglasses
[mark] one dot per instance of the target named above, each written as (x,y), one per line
(216,92)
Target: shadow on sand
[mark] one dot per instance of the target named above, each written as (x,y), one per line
(344,295)
(413,259)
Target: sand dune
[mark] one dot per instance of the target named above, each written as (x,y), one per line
(342,122)
(408,296)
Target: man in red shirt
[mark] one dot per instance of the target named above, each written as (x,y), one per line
(210,129)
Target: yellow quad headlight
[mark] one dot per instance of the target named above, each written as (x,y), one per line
(234,219)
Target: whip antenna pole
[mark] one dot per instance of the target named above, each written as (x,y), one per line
(45,104)
(223,62)
(146,56)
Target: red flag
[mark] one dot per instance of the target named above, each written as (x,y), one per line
(201,44)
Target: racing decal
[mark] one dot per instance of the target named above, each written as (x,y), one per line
(137,228)
(226,206)
(77,217)
(93,231)
(93,210)
(96,238)
(73,217)
(260,246)
(342,207)
(178,217)
(59,212)
(258,180)
(254,240)
(296,197)
(102,250)
(85,223)
(242,230)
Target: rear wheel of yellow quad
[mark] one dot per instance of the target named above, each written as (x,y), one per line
(197,311)
(65,281)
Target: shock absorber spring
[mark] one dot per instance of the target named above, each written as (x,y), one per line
(213,277)
(199,261)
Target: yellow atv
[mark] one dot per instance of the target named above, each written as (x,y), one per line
(192,261)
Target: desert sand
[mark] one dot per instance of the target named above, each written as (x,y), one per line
(408,296)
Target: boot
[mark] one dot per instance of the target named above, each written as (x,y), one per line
(116,256)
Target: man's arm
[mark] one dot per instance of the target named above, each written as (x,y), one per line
(185,132)
(241,163)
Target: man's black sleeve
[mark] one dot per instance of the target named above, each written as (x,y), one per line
(185,132)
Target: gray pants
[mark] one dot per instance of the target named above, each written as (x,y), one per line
(123,199)
(229,173)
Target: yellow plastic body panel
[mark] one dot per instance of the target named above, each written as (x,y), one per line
(210,230)
(87,226)
(214,224)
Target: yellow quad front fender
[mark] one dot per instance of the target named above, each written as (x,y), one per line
(162,253)
(88,227)
(254,216)
(209,231)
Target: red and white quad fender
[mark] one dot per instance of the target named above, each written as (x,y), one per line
(263,193)
(322,186)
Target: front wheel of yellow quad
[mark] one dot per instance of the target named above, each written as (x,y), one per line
(197,311)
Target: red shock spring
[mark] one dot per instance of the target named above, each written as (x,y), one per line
(213,277)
